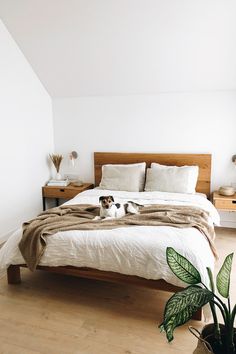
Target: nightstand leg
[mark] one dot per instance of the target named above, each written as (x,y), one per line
(57,202)
(44,203)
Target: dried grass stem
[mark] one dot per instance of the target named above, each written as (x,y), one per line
(56,160)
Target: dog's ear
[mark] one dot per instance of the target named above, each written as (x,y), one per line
(111,197)
(101,199)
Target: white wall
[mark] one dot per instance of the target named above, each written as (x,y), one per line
(146,75)
(120,47)
(172,122)
(26,136)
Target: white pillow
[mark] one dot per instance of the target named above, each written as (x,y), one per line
(128,177)
(171,179)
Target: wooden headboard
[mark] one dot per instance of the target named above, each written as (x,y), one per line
(201,160)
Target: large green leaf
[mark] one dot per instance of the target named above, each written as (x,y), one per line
(181,267)
(181,307)
(223,277)
(194,295)
(177,320)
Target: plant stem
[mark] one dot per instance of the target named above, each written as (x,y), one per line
(221,310)
(229,330)
(229,335)
(222,304)
(217,297)
(210,276)
(229,307)
(217,333)
(233,315)
(227,317)
(232,328)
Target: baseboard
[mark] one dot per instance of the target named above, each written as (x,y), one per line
(230,224)
(228,219)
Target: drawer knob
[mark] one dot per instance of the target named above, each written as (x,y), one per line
(234,201)
(62,190)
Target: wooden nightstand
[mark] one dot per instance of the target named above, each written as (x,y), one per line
(67,192)
(222,202)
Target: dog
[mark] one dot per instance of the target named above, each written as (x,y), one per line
(111,210)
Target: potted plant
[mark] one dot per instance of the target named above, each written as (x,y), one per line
(215,338)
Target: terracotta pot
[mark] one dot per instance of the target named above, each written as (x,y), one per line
(206,341)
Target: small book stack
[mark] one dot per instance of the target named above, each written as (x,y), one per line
(58,182)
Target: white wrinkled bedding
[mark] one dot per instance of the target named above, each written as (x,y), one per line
(133,250)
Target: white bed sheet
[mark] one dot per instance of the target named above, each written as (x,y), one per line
(139,251)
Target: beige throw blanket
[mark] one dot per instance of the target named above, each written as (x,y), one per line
(80,217)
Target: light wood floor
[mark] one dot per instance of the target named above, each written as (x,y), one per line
(55,314)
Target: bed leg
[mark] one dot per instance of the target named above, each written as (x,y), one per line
(13,274)
(198,315)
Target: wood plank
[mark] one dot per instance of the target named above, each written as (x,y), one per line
(112,277)
(201,160)
(56,314)
(65,192)
(225,203)
(100,158)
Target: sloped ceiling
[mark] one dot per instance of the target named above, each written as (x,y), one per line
(121,47)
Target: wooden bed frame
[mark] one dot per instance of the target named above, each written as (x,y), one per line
(102,158)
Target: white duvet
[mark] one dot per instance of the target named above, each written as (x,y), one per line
(138,250)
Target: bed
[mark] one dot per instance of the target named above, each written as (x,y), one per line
(126,255)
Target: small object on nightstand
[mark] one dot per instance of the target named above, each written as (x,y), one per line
(77,183)
(56,160)
(226,190)
(74,179)
(58,183)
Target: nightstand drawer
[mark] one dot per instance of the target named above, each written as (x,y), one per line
(59,192)
(67,192)
(228,204)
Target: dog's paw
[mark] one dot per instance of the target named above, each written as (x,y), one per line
(108,218)
(97,218)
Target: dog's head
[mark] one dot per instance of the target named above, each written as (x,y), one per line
(106,201)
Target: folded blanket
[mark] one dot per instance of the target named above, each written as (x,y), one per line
(80,217)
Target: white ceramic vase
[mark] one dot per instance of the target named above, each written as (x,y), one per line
(58,176)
